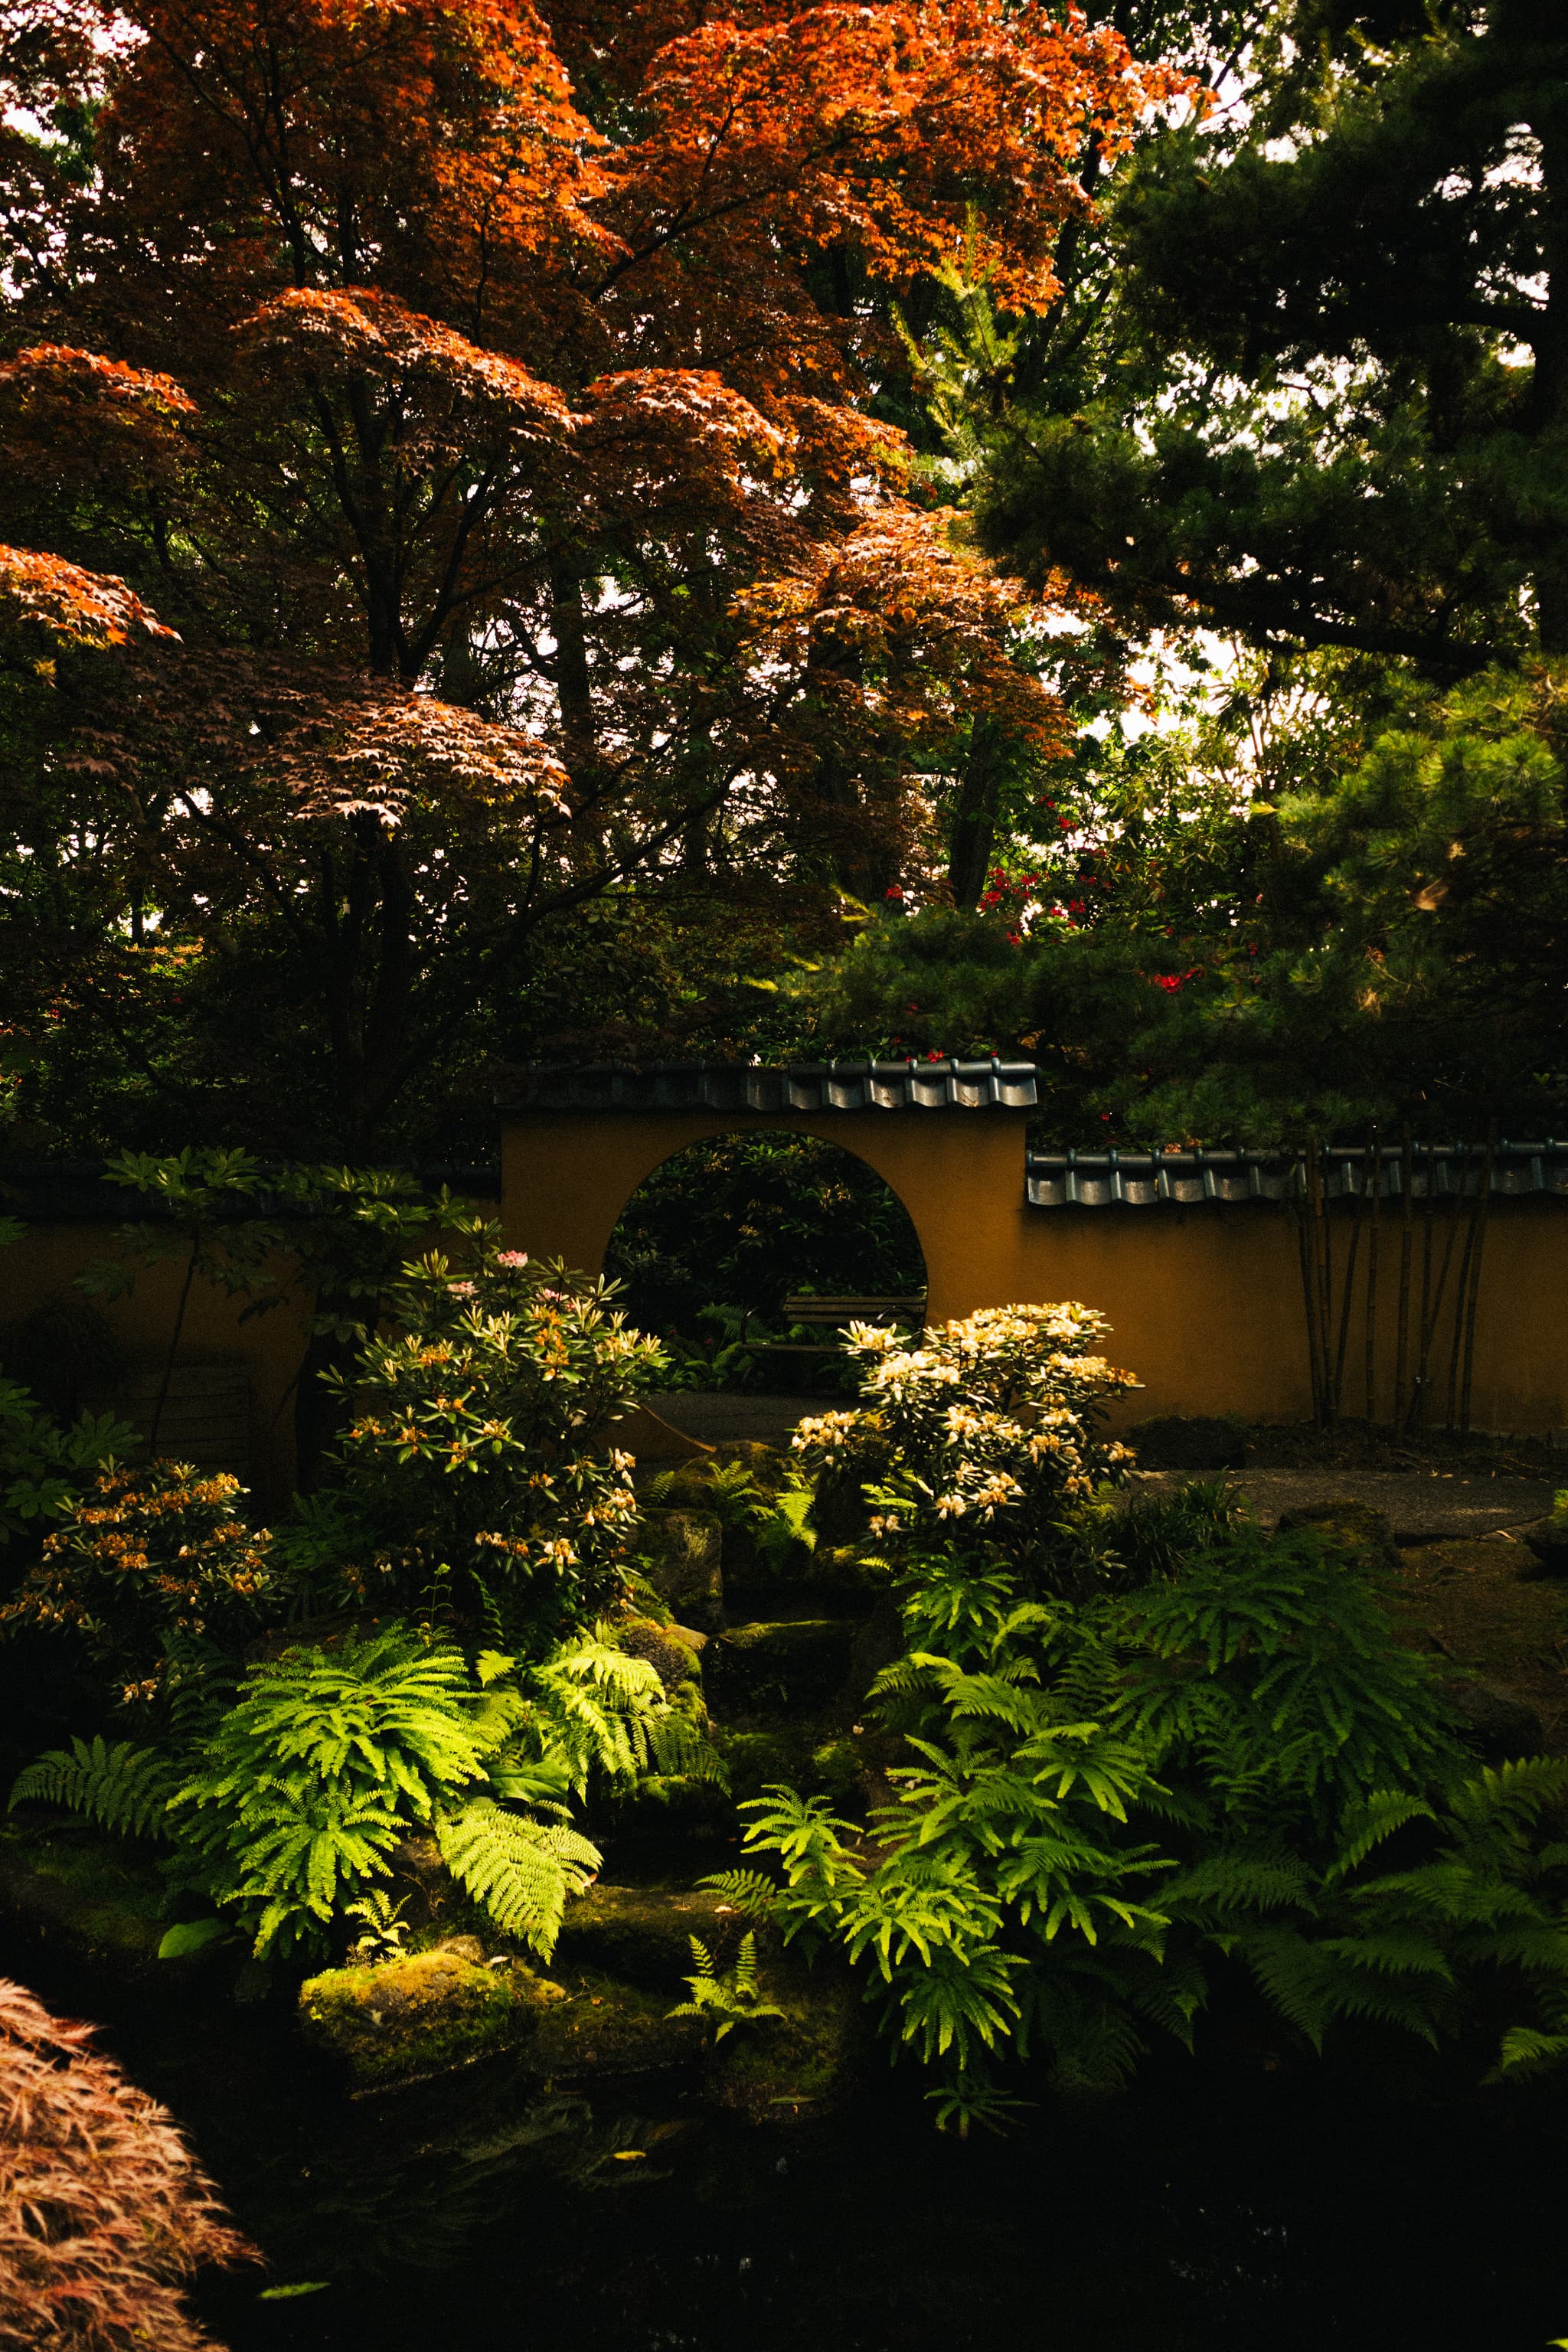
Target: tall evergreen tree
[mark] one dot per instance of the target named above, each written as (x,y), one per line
(1329,400)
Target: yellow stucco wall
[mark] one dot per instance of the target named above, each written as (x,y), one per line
(1205,1303)
(45,1263)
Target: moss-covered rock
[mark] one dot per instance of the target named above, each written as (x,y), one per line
(793,1662)
(606,2027)
(1355,1528)
(670,1650)
(404,2018)
(643,1933)
(807,1756)
(681,1555)
(96,1900)
(805,2063)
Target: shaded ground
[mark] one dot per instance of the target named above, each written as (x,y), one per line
(1421,1505)
(1470,1601)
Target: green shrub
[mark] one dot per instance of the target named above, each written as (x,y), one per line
(1106,1797)
(477,1477)
(283,1808)
(146,1558)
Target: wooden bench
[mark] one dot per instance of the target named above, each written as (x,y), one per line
(833,1314)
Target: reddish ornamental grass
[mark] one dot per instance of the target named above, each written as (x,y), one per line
(104,2214)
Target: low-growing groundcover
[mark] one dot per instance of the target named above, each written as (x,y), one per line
(1131,1747)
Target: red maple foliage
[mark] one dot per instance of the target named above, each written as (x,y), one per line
(104,2213)
(88,607)
(522,358)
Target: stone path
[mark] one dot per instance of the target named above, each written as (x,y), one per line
(714,1416)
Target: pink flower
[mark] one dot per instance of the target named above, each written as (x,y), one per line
(461,1289)
(512,1257)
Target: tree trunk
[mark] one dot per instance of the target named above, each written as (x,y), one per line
(1376,1159)
(974,816)
(574,686)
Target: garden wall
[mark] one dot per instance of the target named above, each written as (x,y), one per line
(244,1423)
(1204,1302)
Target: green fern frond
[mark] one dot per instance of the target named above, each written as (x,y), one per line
(521,1870)
(126,1789)
(731,1996)
(1527,2051)
(752,1893)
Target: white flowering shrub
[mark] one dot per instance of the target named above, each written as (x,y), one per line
(980,1436)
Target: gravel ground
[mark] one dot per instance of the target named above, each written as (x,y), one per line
(1423,1506)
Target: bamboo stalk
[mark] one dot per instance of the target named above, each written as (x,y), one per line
(1402,1348)
(1417,1413)
(1321,1268)
(1474,1304)
(1372,1278)
(1430,1321)
(1357,1217)
(1299,1208)
(1461,1294)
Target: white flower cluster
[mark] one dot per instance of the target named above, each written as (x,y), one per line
(990,1419)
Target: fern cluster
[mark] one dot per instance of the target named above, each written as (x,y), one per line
(283,1801)
(1105,1798)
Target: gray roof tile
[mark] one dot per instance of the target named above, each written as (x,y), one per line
(1136,1180)
(749,1086)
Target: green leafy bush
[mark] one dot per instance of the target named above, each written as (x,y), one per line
(284,1808)
(477,1476)
(1105,1799)
(43,1467)
(143,1558)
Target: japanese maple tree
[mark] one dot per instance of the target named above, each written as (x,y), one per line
(488,400)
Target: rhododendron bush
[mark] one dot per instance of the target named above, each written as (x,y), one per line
(148,1556)
(982,1437)
(479,1473)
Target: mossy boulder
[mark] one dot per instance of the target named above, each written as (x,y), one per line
(835,1577)
(406,2018)
(97,1901)
(805,2063)
(604,2027)
(801,1755)
(1193,1441)
(791,1663)
(643,1933)
(1547,1541)
(1355,1530)
(681,1555)
(672,1651)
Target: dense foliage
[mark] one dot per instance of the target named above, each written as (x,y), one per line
(749,1220)
(285,1799)
(489,401)
(1133,1750)
(424,1645)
